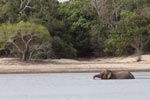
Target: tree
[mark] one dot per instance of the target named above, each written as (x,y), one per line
(39,11)
(62,49)
(108,14)
(7,11)
(98,36)
(135,29)
(27,40)
(77,25)
(107,11)
(81,28)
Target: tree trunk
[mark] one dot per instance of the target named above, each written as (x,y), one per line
(139,54)
(25,55)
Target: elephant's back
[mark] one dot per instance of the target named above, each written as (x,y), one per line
(123,75)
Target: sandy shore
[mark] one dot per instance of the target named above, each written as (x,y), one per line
(12,65)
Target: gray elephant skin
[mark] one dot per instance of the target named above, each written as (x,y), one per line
(109,74)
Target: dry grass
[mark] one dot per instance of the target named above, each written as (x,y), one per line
(12,65)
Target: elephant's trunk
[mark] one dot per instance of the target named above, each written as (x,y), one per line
(96,76)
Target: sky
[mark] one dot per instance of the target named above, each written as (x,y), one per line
(62,0)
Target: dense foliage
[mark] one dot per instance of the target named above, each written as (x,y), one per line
(77,28)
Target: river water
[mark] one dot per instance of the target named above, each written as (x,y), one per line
(72,86)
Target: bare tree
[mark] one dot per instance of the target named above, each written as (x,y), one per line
(26,45)
(116,9)
(99,6)
(107,16)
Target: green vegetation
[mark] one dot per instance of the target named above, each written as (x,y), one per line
(25,40)
(77,28)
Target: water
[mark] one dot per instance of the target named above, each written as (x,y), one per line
(72,86)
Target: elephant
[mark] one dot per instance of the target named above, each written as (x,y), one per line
(109,74)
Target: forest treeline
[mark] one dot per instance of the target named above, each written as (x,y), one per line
(77,28)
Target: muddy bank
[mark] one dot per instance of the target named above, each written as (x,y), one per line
(12,65)
(70,68)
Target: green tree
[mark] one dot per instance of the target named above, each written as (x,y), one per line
(62,49)
(37,11)
(79,27)
(8,11)
(98,37)
(107,13)
(26,40)
(77,17)
(135,31)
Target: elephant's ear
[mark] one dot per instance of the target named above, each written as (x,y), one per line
(109,75)
(102,74)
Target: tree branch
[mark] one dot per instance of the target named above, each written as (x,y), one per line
(17,47)
(26,6)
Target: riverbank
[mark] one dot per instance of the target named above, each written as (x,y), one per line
(12,65)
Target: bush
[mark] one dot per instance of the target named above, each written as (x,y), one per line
(62,49)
